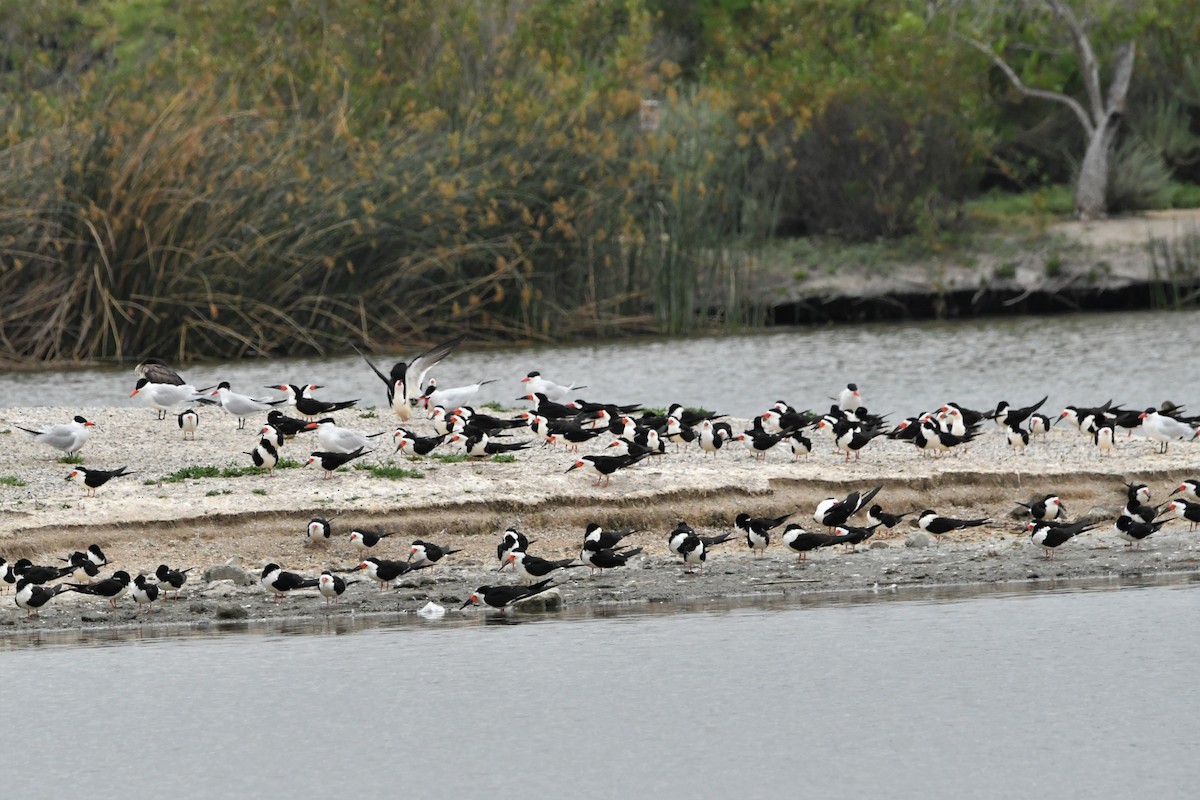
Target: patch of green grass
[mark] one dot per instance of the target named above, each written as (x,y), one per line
(368,414)
(288,463)
(258,491)
(1054,266)
(1048,200)
(75,459)
(390,471)
(1185,195)
(11,480)
(504,458)
(450,458)
(216,492)
(494,406)
(1005,272)
(198,472)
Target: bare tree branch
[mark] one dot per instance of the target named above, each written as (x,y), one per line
(1088,66)
(1029,91)
(1122,74)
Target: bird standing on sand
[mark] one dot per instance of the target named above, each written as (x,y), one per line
(938,526)
(112,589)
(405,379)
(31,596)
(332,461)
(505,596)
(69,437)
(275,580)
(174,579)
(239,405)
(1050,535)
(93,479)
(189,421)
(332,587)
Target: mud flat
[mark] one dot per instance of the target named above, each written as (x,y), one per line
(243,522)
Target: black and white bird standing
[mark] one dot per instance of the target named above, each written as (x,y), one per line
(332,461)
(31,596)
(144,594)
(278,582)
(318,532)
(602,558)
(928,520)
(1050,535)
(758,530)
(424,554)
(112,589)
(332,587)
(364,539)
(172,579)
(803,542)
(93,479)
(505,596)
(241,406)
(532,569)
(189,423)
(405,380)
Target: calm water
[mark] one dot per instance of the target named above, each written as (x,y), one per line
(1140,358)
(1065,693)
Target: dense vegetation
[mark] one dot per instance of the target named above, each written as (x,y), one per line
(229,178)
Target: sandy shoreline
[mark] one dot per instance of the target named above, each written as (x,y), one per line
(141,521)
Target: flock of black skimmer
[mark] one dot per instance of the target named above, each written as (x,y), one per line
(560,417)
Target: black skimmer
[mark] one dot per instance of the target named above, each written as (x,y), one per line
(1018,438)
(189,421)
(332,461)
(1008,417)
(1134,531)
(1189,489)
(759,442)
(93,479)
(241,406)
(758,530)
(691,548)
(111,589)
(287,426)
(271,434)
(264,455)
(405,380)
(424,554)
(416,446)
(36,573)
(1050,535)
(1164,429)
(69,437)
(832,512)
(85,571)
(7,575)
(307,406)
(336,439)
(711,437)
(363,539)
(532,569)
(486,422)
(801,445)
(156,370)
(932,438)
(850,439)
(1137,493)
(606,540)
(1049,507)
(572,434)
(318,531)
(852,536)
(1039,425)
(332,587)
(604,466)
(877,516)
(536,384)
(928,520)
(545,407)
(144,594)
(682,531)
(31,597)
(512,541)
(505,596)
(278,582)
(93,554)
(677,433)
(601,558)
(479,445)
(802,541)
(385,571)
(449,398)
(1186,510)
(850,398)
(173,579)
(1104,438)
(165,396)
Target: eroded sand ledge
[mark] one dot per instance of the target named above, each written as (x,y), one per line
(258,518)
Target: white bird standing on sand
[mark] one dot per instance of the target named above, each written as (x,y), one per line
(405,381)
(335,439)
(241,406)
(165,396)
(1164,430)
(850,399)
(69,438)
(189,421)
(449,398)
(536,384)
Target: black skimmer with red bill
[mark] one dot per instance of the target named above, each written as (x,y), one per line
(36,573)
(332,587)
(1049,535)
(803,542)
(758,530)
(405,379)
(241,406)
(1135,531)
(849,438)
(512,541)
(68,437)
(682,531)
(851,535)
(172,579)
(505,596)
(479,445)
(532,569)
(1185,509)
(603,467)
(930,521)
(308,406)
(264,455)
(1008,417)
(832,512)
(189,422)
(605,539)
(279,582)
(144,594)
(424,554)
(877,516)
(602,558)
(93,479)
(363,539)
(111,589)
(383,571)
(288,427)
(1049,507)
(318,531)
(32,597)
(332,461)
(415,446)
(1189,490)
